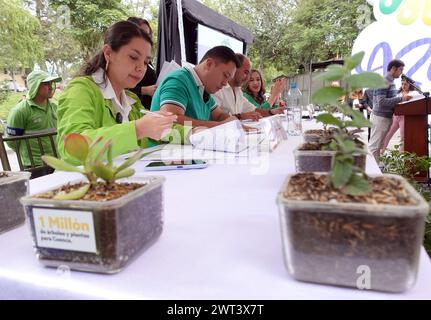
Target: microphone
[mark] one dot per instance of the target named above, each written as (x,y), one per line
(409,80)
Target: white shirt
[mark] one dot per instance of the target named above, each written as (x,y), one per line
(232,101)
(108,92)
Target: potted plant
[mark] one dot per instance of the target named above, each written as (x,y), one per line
(346,228)
(13,185)
(98,225)
(317,153)
(315,135)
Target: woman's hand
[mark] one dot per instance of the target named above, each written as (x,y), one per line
(279,110)
(155,127)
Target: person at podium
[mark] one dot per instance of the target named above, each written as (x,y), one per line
(398,121)
(384,102)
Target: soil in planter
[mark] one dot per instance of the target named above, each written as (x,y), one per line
(121,234)
(329,247)
(311,146)
(102,192)
(315,131)
(308,186)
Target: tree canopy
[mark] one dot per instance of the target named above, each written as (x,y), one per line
(287,33)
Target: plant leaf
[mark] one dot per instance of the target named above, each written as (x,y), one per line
(328,95)
(334,72)
(357,186)
(327,119)
(138,155)
(74,195)
(341,173)
(92,152)
(109,156)
(366,80)
(359,122)
(351,62)
(76,145)
(101,153)
(103,171)
(128,172)
(60,164)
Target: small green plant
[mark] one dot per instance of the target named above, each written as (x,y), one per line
(91,155)
(408,165)
(345,176)
(404,163)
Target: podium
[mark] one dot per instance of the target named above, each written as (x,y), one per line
(415,114)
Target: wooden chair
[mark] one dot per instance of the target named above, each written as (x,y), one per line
(36,170)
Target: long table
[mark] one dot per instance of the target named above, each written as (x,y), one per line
(221,240)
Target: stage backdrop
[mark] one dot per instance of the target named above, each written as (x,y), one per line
(402,31)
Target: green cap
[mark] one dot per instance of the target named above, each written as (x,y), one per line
(35,78)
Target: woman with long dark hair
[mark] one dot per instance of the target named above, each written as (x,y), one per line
(398,121)
(97,103)
(254,91)
(147,86)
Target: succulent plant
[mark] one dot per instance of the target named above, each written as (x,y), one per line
(96,160)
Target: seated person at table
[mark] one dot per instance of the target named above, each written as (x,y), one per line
(254,91)
(35,114)
(231,98)
(147,86)
(187,92)
(98,104)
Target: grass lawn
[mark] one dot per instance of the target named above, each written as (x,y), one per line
(8,104)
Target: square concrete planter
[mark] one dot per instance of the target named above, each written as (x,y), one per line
(12,187)
(341,243)
(321,161)
(99,236)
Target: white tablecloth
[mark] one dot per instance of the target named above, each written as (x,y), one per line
(221,240)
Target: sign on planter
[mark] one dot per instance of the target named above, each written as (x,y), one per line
(65,229)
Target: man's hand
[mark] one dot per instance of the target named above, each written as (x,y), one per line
(148,91)
(229,119)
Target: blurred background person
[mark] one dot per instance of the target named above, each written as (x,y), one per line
(398,121)
(147,86)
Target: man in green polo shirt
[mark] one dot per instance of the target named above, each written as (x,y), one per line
(35,114)
(187,92)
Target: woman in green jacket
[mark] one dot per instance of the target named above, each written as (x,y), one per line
(254,91)
(98,102)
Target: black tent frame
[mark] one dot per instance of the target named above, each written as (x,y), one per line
(194,13)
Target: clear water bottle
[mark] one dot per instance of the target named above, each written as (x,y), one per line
(294,111)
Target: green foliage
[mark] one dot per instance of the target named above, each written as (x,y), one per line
(405,164)
(90,19)
(20,45)
(344,175)
(4,92)
(11,100)
(91,155)
(408,165)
